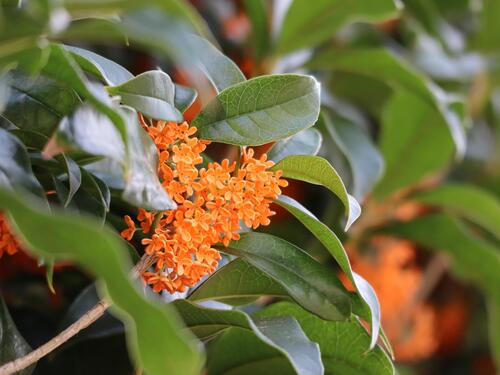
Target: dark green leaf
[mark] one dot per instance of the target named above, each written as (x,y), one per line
(12,344)
(261,110)
(364,158)
(468,201)
(330,241)
(38,104)
(237,280)
(225,356)
(307,24)
(343,344)
(74,177)
(305,142)
(318,171)
(283,333)
(61,235)
(151,93)
(312,284)
(15,166)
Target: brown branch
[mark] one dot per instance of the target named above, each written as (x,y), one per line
(85,320)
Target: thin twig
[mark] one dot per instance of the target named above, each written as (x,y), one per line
(85,320)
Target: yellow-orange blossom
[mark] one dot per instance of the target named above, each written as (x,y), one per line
(211,204)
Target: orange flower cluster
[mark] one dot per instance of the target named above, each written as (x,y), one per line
(8,243)
(211,204)
(392,272)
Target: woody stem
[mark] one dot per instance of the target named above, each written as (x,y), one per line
(85,320)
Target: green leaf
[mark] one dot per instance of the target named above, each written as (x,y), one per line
(487,37)
(225,356)
(107,70)
(331,242)
(64,236)
(90,131)
(364,158)
(74,177)
(184,97)
(283,334)
(470,202)
(422,132)
(15,166)
(342,344)
(260,35)
(308,24)
(37,104)
(305,142)
(382,65)
(62,67)
(151,93)
(312,284)
(237,280)
(142,187)
(218,68)
(261,110)
(176,40)
(318,171)
(473,258)
(114,74)
(12,344)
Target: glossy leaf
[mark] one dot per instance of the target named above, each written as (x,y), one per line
(331,242)
(62,67)
(283,333)
(308,24)
(305,142)
(107,70)
(468,201)
(342,344)
(261,110)
(12,344)
(151,93)
(312,284)
(15,166)
(381,65)
(365,161)
(423,133)
(37,104)
(318,171)
(61,235)
(236,280)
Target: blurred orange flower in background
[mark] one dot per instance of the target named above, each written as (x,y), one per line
(392,271)
(8,242)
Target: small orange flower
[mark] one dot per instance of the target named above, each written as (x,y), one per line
(211,202)
(129,232)
(8,242)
